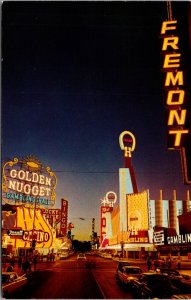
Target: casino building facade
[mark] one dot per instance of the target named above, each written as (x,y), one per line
(29,221)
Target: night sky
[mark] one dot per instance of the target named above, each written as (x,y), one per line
(74,76)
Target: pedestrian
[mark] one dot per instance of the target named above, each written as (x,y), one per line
(53,257)
(20,262)
(10,268)
(163,263)
(4,266)
(35,262)
(13,261)
(28,265)
(155,264)
(152,264)
(179,263)
(149,263)
(169,263)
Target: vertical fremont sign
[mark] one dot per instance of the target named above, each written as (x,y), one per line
(178,132)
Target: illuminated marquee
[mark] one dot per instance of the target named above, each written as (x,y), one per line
(174,82)
(138,217)
(34,226)
(27,182)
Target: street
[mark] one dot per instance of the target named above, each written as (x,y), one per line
(70,279)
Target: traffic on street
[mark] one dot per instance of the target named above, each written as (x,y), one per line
(91,276)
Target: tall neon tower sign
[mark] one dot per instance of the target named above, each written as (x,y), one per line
(127,180)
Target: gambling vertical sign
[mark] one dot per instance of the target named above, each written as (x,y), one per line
(64,217)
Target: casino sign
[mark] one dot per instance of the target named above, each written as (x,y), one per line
(27,182)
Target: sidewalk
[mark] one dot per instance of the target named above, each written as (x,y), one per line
(19,271)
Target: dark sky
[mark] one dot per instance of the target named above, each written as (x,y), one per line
(74,76)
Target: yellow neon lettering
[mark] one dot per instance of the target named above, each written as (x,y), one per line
(27,178)
(34,177)
(170,41)
(35,190)
(27,189)
(178,134)
(47,191)
(174,116)
(21,174)
(41,179)
(165,26)
(42,191)
(13,173)
(174,79)
(175,93)
(48,181)
(12,185)
(170,61)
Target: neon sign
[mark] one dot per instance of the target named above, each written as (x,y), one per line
(28,182)
(39,235)
(127,144)
(174,81)
(179,239)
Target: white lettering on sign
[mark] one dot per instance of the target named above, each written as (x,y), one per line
(39,236)
(24,183)
(30,177)
(179,239)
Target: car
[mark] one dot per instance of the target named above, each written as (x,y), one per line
(153,285)
(107,255)
(64,255)
(161,263)
(181,296)
(181,281)
(120,265)
(81,256)
(128,273)
(12,282)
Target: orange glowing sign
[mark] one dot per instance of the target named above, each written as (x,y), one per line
(28,182)
(178,128)
(34,226)
(174,82)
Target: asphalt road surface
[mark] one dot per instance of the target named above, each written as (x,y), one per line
(70,279)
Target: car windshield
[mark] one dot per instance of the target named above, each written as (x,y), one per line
(5,278)
(133,271)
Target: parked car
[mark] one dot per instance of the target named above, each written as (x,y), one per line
(107,255)
(120,265)
(81,256)
(64,255)
(181,296)
(12,282)
(161,263)
(181,281)
(128,273)
(153,285)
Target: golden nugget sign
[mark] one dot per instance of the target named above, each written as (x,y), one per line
(27,182)
(174,82)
